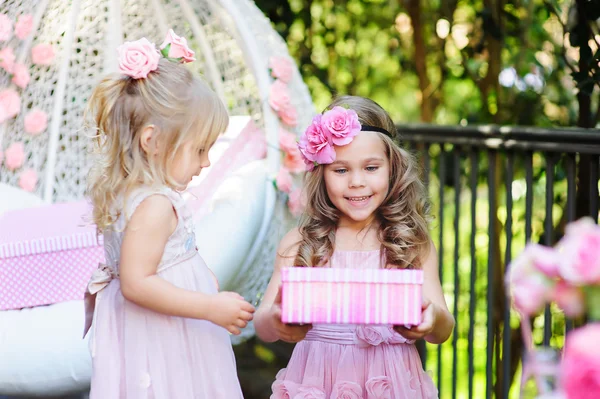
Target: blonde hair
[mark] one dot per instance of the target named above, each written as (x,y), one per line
(402,216)
(180,107)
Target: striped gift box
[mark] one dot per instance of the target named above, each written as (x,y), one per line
(351,296)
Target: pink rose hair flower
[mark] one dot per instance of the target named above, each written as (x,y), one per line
(315,144)
(137,59)
(342,124)
(176,48)
(282,68)
(42,54)
(24,26)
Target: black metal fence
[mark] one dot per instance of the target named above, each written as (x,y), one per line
(493,189)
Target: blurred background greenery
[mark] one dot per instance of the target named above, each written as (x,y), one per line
(506,62)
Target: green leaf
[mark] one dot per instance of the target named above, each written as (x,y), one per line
(165,51)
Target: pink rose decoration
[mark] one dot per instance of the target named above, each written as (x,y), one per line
(296,202)
(315,144)
(342,124)
(176,47)
(284,180)
(137,59)
(580,247)
(293,158)
(36,122)
(288,115)
(279,97)
(6,27)
(42,54)
(369,335)
(10,104)
(23,26)
(287,140)
(379,388)
(15,155)
(569,298)
(580,368)
(530,287)
(283,389)
(305,392)
(28,180)
(282,68)
(347,390)
(7,59)
(21,75)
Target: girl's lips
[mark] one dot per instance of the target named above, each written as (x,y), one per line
(358,202)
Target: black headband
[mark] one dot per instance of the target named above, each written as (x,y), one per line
(375,129)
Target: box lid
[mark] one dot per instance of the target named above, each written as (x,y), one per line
(330,274)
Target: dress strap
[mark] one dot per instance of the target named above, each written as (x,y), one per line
(139,195)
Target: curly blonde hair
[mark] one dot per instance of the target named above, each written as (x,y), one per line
(402,216)
(180,107)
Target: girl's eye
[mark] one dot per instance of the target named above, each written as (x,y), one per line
(340,171)
(372,168)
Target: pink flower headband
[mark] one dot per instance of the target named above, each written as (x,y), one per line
(137,59)
(336,126)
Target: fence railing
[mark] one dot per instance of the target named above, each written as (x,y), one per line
(493,189)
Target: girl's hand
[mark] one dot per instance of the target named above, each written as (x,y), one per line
(429,318)
(286,332)
(230,311)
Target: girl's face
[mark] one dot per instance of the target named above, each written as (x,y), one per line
(357,182)
(189,162)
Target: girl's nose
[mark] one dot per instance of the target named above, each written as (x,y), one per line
(357,180)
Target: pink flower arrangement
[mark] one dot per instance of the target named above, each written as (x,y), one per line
(137,59)
(42,54)
(6,27)
(282,68)
(10,104)
(15,155)
(24,26)
(580,368)
(21,75)
(284,180)
(176,48)
(288,115)
(28,180)
(36,122)
(7,59)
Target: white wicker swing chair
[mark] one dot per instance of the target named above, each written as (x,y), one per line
(233,42)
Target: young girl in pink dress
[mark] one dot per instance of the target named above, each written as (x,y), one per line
(366,208)
(161,329)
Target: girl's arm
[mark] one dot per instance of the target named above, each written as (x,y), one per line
(267,321)
(144,241)
(438,322)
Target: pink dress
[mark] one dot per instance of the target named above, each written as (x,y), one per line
(138,353)
(350,361)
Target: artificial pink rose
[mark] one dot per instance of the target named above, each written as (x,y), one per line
(283,389)
(347,390)
(279,97)
(282,68)
(379,388)
(284,180)
(293,161)
(288,115)
(580,367)
(569,298)
(579,263)
(176,47)
(342,124)
(315,144)
(369,335)
(296,202)
(36,122)
(10,104)
(287,140)
(7,59)
(28,180)
(21,75)
(305,392)
(42,54)
(137,59)
(14,156)
(6,27)
(23,26)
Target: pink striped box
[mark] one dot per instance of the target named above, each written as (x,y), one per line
(351,296)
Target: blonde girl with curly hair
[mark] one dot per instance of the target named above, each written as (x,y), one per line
(366,207)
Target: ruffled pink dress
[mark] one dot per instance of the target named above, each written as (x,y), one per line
(354,362)
(138,353)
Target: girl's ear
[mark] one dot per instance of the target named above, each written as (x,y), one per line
(148,140)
